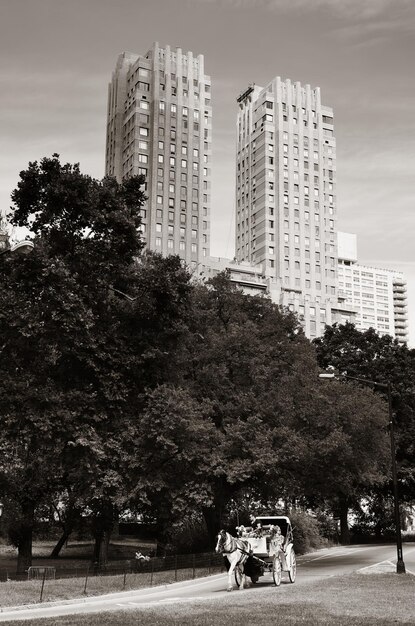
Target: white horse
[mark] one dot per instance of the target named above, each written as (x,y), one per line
(237,552)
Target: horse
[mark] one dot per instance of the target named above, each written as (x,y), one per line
(237,552)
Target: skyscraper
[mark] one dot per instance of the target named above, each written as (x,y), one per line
(159,123)
(286,197)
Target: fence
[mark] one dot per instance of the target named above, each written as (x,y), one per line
(179,567)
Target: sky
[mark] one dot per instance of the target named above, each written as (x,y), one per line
(56,59)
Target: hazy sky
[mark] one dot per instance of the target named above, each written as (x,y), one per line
(56,58)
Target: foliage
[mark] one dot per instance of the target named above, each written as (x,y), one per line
(306,530)
(64,350)
(365,354)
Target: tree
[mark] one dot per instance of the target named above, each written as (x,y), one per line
(380,358)
(343,448)
(236,361)
(64,341)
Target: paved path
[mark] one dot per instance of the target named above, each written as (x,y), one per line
(311,567)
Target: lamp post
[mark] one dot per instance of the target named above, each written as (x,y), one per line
(400,565)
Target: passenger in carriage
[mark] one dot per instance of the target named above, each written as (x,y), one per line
(277,540)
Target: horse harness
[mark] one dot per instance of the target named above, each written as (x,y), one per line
(234,542)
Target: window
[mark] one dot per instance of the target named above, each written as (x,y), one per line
(184,163)
(144,105)
(143,86)
(143,158)
(143,131)
(160,158)
(170,244)
(194,247)
(173,109)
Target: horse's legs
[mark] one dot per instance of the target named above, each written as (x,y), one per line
(230,574)
(243,578)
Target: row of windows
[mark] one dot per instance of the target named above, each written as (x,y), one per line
(182,246)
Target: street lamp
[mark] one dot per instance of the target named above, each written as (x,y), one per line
(330,373)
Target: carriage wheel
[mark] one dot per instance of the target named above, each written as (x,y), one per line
(292,572)
(276,571)
(238,575)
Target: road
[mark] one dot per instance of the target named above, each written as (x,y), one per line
(311,567)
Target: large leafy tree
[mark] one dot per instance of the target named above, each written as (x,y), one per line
(236,363)
(69,372)
(343,448)
(368,355)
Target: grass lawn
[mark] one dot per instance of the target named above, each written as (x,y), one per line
(355,600)
(28,592)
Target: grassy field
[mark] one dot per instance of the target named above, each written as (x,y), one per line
(355,600)
(28,592)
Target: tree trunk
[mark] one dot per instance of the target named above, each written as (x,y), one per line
(213,520)
(61,542)
(25,537)
(344,524)
(102,528)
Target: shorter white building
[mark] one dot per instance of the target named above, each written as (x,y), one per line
(252,280)
(378,295)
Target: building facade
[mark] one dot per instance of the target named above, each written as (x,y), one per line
(159,123)
(379,295)
(286,198)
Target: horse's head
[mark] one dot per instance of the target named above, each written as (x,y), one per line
(221,541)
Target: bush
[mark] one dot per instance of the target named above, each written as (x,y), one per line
(189,537)
(307,535)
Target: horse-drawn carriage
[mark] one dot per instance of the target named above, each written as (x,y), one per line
(265,547)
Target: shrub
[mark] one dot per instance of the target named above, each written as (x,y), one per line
(189,537)
(307,535)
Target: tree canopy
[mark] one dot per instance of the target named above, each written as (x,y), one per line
(127,384)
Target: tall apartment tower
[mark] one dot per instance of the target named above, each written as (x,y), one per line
(159,123)
(286,197)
